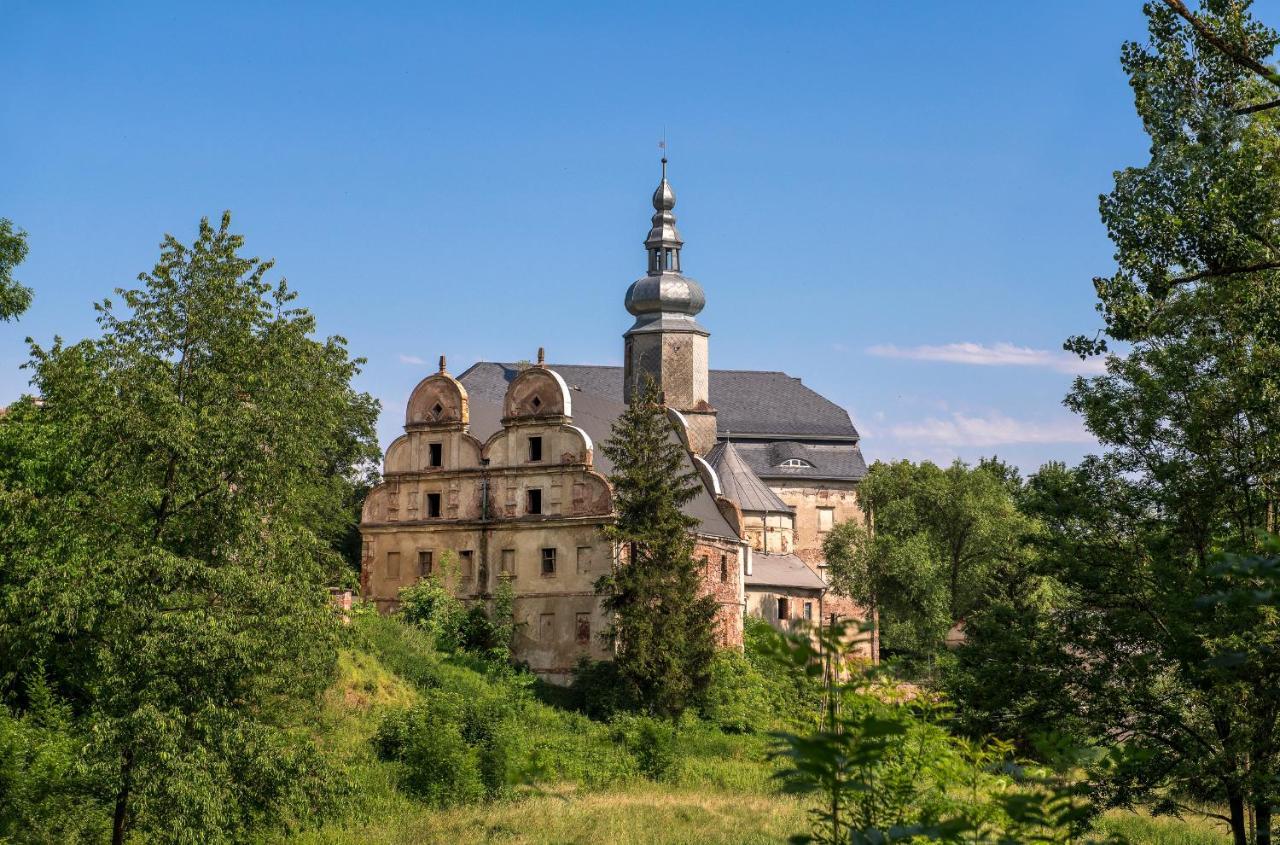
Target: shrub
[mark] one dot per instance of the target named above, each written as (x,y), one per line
(430,605)
(788,695)
(456,749)
(652,742)
(598,690)
(438,765)
(738,697)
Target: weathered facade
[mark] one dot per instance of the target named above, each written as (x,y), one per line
(499,467)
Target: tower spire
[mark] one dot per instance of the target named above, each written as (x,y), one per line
(666,342)
(663,242)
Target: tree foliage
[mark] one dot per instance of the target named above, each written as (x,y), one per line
(940,541)
(14,297)
(170,513)
(663,623)
(1191,425)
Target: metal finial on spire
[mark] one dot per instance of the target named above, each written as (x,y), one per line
(442,370)
(542,357)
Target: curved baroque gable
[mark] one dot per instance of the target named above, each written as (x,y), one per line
(537,392)
(438,399)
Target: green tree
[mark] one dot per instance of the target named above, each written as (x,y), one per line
(938,539)
(14,298)
(663,622)
(169,519)
(1190,421)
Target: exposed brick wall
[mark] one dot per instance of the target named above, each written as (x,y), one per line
(727,589)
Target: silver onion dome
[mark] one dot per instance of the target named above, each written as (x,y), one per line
(664,296)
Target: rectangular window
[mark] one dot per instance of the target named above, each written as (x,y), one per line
(584,559)
(393,564)
(546,627)
(826,519)
(808,610)
(467,563)
(426,562)
(508,561)
(782,608)
(535,448)
(584,629)
(437,454)
(533,501)
(724,568)
(548,562)
(433,505)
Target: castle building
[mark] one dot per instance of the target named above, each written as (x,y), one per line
(498,469)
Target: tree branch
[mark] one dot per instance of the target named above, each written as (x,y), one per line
(1233,53)
(1228,271)
(1256,107)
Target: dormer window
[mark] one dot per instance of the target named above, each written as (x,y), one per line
(795,463)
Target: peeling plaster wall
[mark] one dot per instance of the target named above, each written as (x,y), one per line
(483,494)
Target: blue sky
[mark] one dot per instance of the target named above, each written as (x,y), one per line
(896,202)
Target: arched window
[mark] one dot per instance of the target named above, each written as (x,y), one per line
(795,462)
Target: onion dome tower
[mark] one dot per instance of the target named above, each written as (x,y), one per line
(666,342)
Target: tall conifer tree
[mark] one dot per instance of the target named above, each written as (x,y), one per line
(663,622)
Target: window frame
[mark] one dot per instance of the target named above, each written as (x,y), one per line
(435,505)
(535,448)
(825,511)
(529,496)
(435,455)
(548,558)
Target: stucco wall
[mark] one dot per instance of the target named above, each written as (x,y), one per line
(840,496)
(484,511)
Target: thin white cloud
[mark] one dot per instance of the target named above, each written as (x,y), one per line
(994,355)
(994,429)
(410,359)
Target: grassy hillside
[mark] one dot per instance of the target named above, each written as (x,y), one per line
(589,785)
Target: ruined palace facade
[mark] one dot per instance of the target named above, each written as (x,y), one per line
(498,469)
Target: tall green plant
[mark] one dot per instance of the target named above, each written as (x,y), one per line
(1189,419)
(168,523)
(883,768)
(663,623)
(937,543)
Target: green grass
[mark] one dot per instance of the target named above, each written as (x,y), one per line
(1142,828)
(587,789)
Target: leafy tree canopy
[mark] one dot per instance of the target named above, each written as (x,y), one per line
(14,298)
(940,542)
(169,516)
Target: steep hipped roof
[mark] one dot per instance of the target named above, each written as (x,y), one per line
(594,415)
(747,402)
(741,484)
(785,571)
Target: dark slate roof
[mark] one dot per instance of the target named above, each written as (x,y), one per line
(839,461)
(741,484)
(786,571)
(594,415)
(747,402)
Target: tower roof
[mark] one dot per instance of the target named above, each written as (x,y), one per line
(741,484)
(664,299)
